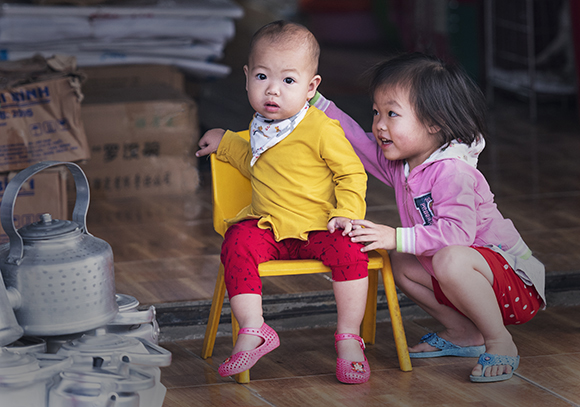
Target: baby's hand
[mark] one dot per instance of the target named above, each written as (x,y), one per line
(339,223)
(375,236)
(209,142)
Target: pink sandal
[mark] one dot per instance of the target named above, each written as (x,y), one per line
(244,360)
(351,372)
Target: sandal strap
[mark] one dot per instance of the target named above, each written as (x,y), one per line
(342,337)
(488,359)
(437,342)
(253,331)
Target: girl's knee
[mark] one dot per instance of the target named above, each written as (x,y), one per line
(447,261)
(404,265)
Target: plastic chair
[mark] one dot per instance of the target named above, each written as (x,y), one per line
(232,192)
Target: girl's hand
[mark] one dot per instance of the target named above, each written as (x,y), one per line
(340,223)
(209,142)
(375,236)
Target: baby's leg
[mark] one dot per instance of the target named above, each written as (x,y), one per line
(248,310)
(416,283)
(350,283)
(467,281)
(245,247)
(351,297)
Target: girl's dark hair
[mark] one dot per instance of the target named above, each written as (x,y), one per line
(441,94)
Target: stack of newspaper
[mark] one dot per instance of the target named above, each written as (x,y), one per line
(188,34)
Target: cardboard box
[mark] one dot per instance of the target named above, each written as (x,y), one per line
(46,192)
(130,76)
(132,124)
(41,121)
(141,142)
(150,176)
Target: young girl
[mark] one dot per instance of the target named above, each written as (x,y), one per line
(455,255)
(307,184)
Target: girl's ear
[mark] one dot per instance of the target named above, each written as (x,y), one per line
(434,129)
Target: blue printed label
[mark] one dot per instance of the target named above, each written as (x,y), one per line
(424,205)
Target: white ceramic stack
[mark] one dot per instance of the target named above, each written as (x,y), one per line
(25,378)
(118,353)
(99,368)
(117,386)
(130,321)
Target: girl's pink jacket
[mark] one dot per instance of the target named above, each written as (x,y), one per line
(444,201)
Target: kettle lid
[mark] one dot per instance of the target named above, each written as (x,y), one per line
(47,227)
(126,302)
(12,363)
(102,343)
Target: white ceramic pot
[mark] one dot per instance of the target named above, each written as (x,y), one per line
(98,387)
(24,378)
(132,322)
(109,350)
(28,344)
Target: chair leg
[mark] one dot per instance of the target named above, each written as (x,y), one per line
(395,311)
(369,322)
(243,377)
(214,314)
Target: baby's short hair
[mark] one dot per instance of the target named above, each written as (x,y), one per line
(285,32)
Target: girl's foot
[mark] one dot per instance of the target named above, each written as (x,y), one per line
(463,340)
(506,348)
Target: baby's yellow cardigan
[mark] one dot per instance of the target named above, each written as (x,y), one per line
(303,181)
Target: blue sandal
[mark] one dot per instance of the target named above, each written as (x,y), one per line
(446,348)
(487,360)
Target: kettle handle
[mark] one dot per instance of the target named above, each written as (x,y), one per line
(9,199)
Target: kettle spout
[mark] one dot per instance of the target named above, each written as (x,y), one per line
(10,331)
(14,298)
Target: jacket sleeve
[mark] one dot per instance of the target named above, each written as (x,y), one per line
(235,149)
(364,144)
(454,217)
(349,175)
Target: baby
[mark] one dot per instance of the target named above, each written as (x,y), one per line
(307,185)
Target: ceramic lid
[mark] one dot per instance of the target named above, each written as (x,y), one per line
(126,302)
(12,363)
(113,348)
(28,344)
(47,227)
(131,380)
(102,343)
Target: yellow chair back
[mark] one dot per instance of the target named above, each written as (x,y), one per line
(231,193)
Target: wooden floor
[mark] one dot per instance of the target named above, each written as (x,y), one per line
(301,372)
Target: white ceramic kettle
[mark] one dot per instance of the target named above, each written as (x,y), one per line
(110,350)
(99,387)
(24,378)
